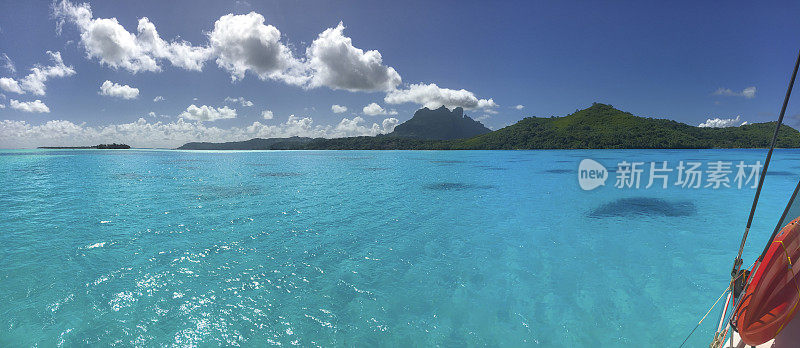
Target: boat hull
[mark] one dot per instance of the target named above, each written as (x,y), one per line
(772,295)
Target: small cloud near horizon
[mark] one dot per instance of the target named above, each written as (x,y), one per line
(373,109)
(747,93)
(723,122)
(338,109)
(113,89)
(240,100)
(207,113)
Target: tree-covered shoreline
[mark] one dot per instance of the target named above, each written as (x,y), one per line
(600,126)
(99,147)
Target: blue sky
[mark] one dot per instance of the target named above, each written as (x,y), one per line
(687,61)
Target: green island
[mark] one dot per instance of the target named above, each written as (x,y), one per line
(600,126)
(100,147)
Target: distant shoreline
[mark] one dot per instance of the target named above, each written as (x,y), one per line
(600,126)
(554,149)
(445,149)
(98,147)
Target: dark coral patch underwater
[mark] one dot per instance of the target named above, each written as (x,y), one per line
(455,186)
(644,206)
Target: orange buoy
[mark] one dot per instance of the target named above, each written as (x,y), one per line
(771,298)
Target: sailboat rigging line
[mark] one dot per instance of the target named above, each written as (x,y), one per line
(737,262)
(704,317)
(727,291)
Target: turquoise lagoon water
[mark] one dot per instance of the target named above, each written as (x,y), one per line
(364,248)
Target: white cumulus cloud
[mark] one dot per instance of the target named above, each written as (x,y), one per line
(337,64)
(158,98)
(34,106)
(179,53)
(207,113)
(519,107)
(433,96)
(35,81)
(10,85)
(722,122)
(373,109)
(113,89)
(353,127)
(267,114)
(244,43)
(389,124)
(749,92)
(109,42)
(338,109)
(239,100)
